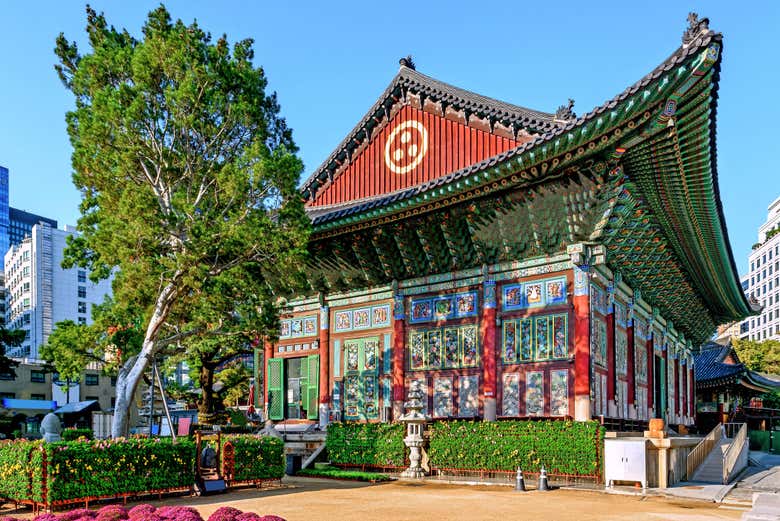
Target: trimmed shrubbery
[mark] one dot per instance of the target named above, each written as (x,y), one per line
(83,469)
(366,444)
(563,447)
(74,434)
(257,457)
(336,473)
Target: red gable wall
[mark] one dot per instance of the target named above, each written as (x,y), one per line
(422,146)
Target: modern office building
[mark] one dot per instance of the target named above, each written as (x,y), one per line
(21,224)
(763,281)
(40,293)
(15,224)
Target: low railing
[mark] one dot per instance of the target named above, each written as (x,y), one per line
(703,449)
(734,450)
(731,429)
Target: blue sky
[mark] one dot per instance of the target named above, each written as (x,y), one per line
(329,61)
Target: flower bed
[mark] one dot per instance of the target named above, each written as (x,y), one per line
(564,448)
(102,468)
(366,444)
(74,434)
(19,461)
(149,513)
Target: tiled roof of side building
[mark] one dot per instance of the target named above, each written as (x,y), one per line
(708,364)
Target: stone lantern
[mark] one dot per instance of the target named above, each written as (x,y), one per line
(415,424)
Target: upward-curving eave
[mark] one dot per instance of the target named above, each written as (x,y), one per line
(639,129)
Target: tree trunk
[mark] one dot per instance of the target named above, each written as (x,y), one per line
(127,381)
(206,402)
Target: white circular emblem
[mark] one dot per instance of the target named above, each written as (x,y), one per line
(401,153)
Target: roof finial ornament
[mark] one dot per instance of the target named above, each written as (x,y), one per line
(695,27)
(407,62)
(566,112)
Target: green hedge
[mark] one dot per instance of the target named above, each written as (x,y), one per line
(370,444)
(257,457)
(79,469)
(20,461)
(74,434)
(563,447)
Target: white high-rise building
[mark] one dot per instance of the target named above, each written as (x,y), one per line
(763,280)
(39,292)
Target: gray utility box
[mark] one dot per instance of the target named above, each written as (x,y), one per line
(625,460)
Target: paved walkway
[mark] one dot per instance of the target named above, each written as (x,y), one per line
(763,475)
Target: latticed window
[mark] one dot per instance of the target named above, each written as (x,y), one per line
(539,338)
(443,348)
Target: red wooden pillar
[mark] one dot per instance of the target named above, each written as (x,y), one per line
(268,353)
(665,384)
(630,376)
(650,368)
(324,340)
(582,383)
(692,386)
(398,356)
(677,408)
(611,369)
(684,390)
(487,327)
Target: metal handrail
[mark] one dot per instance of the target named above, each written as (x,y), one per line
(703,449)
(732,452)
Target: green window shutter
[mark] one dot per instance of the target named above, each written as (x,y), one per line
(304,385)
(313,388)
(276,388)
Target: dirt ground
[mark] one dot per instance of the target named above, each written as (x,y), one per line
(325,500)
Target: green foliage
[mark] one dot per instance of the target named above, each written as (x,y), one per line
(371,444)
(17,465)
(563,447)
(352,475)
(79,469)
(75,434)
(188,176)
(8,338)
(771,400)
(762,356)
(257,457)
(237,418)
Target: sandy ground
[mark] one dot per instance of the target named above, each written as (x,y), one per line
(325,500)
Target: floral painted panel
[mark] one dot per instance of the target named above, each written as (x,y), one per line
(309,326)
(285,330)
(534,393)
(352,396)
(351,352)
(442,308)
(598,299)
(380,316)
(343,320)
(513,297)
(555,291)
(422,310)
(598,340)
(621,351)
(296,327)
(417,360)
(451,348)
(468,396)
(361,318)
(510,403)
(526,340)
(370,397)
(434,349)
(596,399)
(640,361)
(510,342)
(533,294)
(560,336)
(469,345)
(670,386)
(442,397)
(370,350)
(542,338)
(466,304)
(559,393)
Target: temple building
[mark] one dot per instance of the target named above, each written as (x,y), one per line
(510,262)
